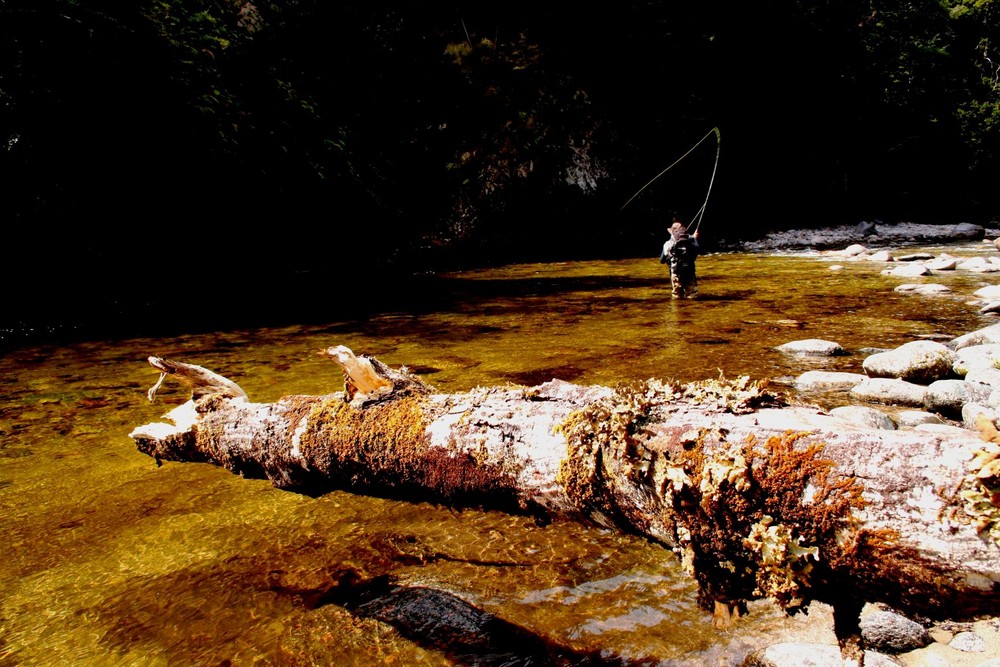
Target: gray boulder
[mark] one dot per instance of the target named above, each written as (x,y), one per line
(984,336)
(890,391)
(921,361)
(984,375)
(975,356)
(968,642)
(829,380)
(971,412)
(947,397)
(889,632)
(864,228)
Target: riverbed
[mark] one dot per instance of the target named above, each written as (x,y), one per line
(110,559)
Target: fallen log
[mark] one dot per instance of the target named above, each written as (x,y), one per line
(758,498)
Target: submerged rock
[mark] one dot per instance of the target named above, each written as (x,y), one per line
(815,346)
(829,380)
(794,654)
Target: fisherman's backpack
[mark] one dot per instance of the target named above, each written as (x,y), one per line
(682,254)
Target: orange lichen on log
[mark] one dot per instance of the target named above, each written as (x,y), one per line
(386,445)
(760,517)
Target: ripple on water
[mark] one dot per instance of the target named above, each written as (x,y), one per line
(109,559)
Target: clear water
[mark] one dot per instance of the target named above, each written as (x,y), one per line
(109,560)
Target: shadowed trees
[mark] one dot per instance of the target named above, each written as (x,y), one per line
(288,132)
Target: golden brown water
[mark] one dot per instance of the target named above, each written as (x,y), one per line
(109,560)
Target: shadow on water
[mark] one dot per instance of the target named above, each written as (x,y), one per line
(443,622)
(108,559)
(535,377)
(301,298)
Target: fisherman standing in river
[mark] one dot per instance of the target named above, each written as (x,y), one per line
(679,253)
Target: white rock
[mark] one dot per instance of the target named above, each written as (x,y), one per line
(990,334)
(920,361)
(942,264)
(814,346)
(976,356)
(829,379)
(988,292)
(853,250)
(908,270)
(978,265)
(923,288)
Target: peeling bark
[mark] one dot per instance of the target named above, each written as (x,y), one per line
(757,497)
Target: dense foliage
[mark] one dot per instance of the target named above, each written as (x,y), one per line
(290,134)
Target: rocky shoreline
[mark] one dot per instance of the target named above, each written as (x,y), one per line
(873,235)
(928,384)
(921,385)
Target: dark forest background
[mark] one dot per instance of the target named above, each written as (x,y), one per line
(187,145)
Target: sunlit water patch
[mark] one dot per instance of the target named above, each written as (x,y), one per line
(111,560)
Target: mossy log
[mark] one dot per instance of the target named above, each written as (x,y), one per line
(758,498)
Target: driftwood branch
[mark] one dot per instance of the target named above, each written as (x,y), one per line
(758,498)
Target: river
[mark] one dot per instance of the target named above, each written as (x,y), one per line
(111,560)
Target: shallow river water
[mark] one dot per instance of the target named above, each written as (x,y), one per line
(108,559)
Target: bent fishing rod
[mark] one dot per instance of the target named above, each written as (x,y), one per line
(699,216)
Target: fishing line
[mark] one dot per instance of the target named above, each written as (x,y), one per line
(700,215)
(701,212)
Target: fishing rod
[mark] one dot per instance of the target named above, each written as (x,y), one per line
(699,216)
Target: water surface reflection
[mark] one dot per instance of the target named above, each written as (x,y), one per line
(111,560)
